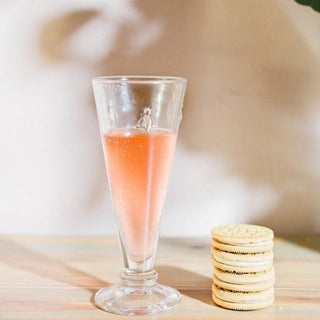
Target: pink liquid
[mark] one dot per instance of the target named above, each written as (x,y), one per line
(138,166)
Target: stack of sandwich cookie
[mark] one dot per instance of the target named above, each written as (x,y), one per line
(243,267)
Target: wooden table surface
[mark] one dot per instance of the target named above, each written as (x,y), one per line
(56,277)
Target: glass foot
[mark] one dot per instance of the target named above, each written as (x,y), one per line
(137,300)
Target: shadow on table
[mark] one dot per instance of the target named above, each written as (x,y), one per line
(26,259)
(189,283)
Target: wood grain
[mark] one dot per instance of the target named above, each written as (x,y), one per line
(56,277)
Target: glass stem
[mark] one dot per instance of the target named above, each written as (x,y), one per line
(132,278)
(138,274)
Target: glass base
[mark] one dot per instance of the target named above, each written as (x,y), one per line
(128,300)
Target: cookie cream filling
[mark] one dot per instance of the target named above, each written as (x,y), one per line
(257,244)
(241,263)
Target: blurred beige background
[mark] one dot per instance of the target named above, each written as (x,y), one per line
(249,144)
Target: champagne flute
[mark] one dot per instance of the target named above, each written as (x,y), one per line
(139,117)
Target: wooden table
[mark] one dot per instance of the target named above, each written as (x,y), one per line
(55,278)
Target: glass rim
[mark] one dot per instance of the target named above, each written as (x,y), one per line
(139,79)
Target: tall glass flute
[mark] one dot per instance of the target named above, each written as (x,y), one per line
(139,118)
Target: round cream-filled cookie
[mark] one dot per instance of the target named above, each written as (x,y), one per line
(244,278)
(262,246)
(242,297)
(243,257)
(239,234)
(239,266)
(243,306)
(245,287)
